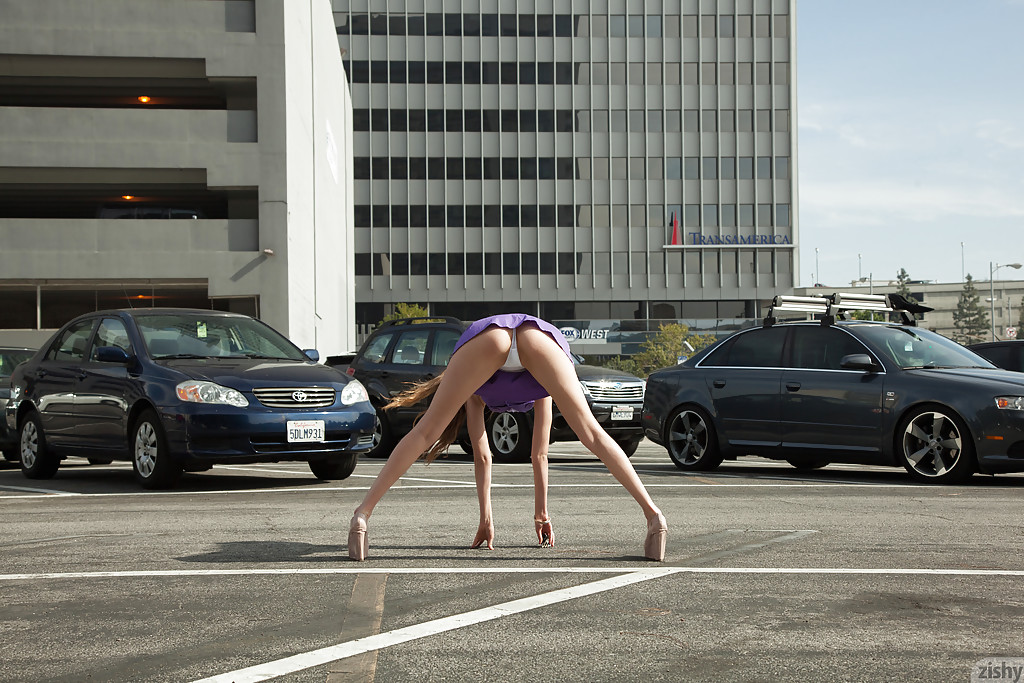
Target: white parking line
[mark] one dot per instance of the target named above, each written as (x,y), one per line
(49,492)
(795,484)
(280,667)
(363,569)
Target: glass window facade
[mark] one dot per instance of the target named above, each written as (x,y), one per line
(560,149)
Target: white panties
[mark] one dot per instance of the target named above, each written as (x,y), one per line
(512,363)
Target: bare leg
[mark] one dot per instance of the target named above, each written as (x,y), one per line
(552,368)
(469,368)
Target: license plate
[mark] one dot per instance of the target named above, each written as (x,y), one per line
(622,412)
(305,430)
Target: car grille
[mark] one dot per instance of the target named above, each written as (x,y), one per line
(295,397)
(632,392)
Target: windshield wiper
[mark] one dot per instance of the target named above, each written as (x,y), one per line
(261,356)
(173,356)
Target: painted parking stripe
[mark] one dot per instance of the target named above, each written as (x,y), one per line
(794,484)
(280,667)
(175,573)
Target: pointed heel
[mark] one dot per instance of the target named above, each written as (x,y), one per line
(358,545)
(657,536)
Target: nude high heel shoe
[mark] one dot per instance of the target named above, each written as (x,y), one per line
(545,533)
(358,546)
(657,535)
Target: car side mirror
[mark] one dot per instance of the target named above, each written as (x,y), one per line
(859,361)
(112,354)
(312,354)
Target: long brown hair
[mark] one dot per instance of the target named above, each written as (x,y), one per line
(423,392)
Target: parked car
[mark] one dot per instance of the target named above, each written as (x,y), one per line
(177,390)
(10,357)
(837,390)
(410,350)
(1007,354)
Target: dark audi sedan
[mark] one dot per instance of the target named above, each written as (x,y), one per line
(176,390)
(845,391)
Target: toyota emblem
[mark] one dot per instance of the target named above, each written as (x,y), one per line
(299,396)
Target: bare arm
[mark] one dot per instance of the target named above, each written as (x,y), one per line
(539,458)
(481,469)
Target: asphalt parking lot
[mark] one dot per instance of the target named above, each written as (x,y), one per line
(241,574)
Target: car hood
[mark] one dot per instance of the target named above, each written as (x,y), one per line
(995,376)
(593,373)
(245,373)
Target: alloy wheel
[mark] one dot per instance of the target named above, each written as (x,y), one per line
(146,449)
(688,437)
(29,444)
(932,444)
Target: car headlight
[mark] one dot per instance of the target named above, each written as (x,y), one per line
(1010,402)
(208,392)
(15,393)
(354,392)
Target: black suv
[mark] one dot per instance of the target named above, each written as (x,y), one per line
(409,350)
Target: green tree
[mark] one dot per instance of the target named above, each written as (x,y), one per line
(661,350)
(970,319)
(405,311)
(903,286)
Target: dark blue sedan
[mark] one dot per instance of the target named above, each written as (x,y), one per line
(836,390)
(176,390)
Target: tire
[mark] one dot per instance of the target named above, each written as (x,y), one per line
(808,465)
(37,462)
(151,459)
(384,440)
(334,469)
(466,445)
(510,436)
(629,444)
(11,454)
(100,461)
(935,446)
(691,441)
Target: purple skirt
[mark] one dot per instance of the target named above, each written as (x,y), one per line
(511,391)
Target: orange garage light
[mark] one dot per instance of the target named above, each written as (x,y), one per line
(144,99)
(127,196)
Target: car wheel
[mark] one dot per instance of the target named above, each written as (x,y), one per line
(466,445)
(151,459)
(100,461)
(510,437)
(629,444)
(690,439)
(37,462)
(808,465)
(11,454)
(935,446)
(337,468)
(383,436)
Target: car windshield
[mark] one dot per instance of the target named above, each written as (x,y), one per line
(910,347)
(213,336)
(10,358)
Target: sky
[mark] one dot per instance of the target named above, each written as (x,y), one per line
(910,139)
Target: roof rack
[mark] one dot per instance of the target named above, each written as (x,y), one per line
(422,319)
(832,307)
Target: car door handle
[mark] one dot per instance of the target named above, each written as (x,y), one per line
(792,386)
(40,373)
(82,374)
(719,383)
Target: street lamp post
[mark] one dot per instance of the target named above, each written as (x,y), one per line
(992,268)
(817,269)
